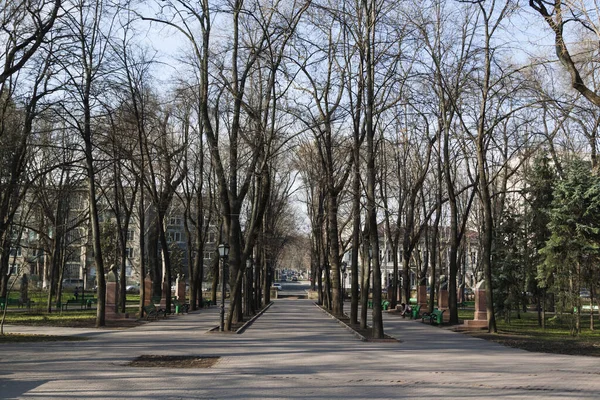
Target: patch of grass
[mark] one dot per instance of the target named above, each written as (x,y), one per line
(23,338)
(524,332)
(74,318)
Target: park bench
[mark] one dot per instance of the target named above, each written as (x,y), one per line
(180,307)
(436,315)
(206,302)
(71,302)
(153,312)
(384,304)
(10,302)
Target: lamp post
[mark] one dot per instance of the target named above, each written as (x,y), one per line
(84,284)
(223,254)
(344,265)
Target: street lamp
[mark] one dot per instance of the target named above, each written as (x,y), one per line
(223,254)
(84,284)
(344,265)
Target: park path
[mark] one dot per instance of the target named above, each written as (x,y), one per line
(293,351)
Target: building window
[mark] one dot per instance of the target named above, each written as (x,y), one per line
(175,221)
(208,255)
(174,236)
(15,252)
(129,252)
(130,235)
(72,270)
(33,235)
(212,237)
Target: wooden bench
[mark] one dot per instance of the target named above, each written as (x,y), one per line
(180,307)
(71,302)
(10,302)
(436,315)
(153,312)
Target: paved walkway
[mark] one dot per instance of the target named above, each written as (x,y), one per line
(293,351)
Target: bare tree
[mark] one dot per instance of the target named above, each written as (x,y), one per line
(25,26)
(88,25)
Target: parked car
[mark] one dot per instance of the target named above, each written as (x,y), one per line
(294,279)
(72,283)
(277,286)
(134,289)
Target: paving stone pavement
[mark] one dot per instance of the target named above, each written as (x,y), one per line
(293,351)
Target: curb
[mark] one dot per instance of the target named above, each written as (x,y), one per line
(358,335)
(243,327)
(251,320)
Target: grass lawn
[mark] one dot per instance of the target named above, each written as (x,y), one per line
(67,319)
(525,333)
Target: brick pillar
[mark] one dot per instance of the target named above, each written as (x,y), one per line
(422,297)
(480,319)
(112,295)
(163,297)
(147,290)
(480,303)
(180,288)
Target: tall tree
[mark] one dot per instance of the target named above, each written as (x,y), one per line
(89,26)
(574,236)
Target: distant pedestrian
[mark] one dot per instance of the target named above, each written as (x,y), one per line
(405,309)
(76,292)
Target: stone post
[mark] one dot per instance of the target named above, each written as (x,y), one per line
(147,290)
(422,297)
(480,319)
(180,288)
(112,296)
(443,304)
(163,297)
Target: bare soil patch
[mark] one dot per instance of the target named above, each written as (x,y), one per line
(157,361)
(568,346)
(26,338)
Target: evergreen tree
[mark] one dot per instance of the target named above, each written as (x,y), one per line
(539,194)
(574,236)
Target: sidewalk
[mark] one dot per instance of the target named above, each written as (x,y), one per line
(293,351)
